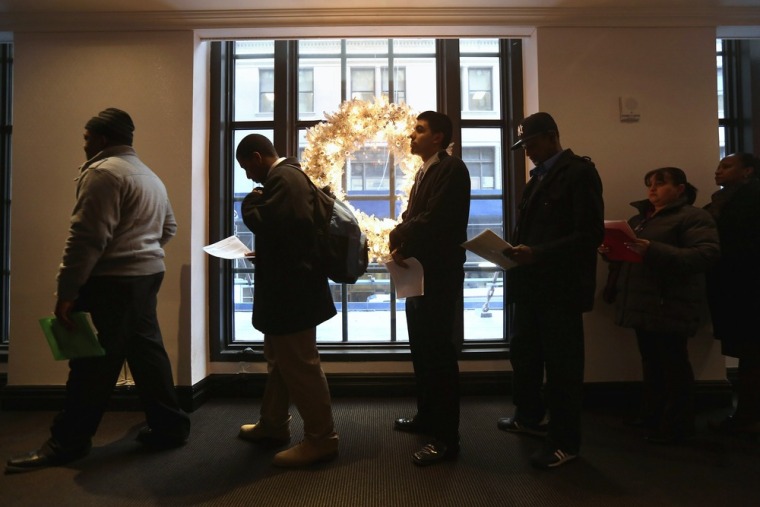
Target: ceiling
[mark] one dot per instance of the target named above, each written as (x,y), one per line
(20,6)
(49,6)
(92,15)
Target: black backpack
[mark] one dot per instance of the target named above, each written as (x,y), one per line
(342,248)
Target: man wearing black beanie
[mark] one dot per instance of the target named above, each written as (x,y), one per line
(114,124)
(112,267)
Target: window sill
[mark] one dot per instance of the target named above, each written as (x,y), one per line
(368,352)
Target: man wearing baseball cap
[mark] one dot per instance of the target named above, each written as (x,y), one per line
(559,227)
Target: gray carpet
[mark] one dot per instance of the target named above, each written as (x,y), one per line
(374,469)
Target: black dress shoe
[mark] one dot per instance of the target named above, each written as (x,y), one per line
(731,426)
(435,452)
(45,456)
(159,441)
(512,425)
(412,425)
(669,438)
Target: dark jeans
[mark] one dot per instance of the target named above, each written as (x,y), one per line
(550,337)
(124,313)
(430,320)
(667,407)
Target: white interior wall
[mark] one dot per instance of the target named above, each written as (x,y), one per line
(581,73)
(60,81)
(160,78)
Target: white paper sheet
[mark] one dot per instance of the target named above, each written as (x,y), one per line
(489,245)
(228,248)
(409,281)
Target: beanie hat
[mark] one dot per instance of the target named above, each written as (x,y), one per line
(114,124)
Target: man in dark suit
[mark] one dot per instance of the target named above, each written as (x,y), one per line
(559,228)
(432,229)
(281,215)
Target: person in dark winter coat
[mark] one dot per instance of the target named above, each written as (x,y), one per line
(559,227)
(281,215)
(661,298)
(733,284)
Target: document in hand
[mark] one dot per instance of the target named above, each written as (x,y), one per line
(228,248)
(490,246)
(616,234)
(409,281)
(65,344)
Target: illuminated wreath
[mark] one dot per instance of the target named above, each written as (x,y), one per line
(331,143)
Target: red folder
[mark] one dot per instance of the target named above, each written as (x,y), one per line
(616,234)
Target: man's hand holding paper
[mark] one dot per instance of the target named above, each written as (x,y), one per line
(491,247)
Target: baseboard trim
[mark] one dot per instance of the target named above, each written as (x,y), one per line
(708,394)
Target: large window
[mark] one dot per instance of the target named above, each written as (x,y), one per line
(6,65)
(328,72)
(266,90)
(479,89)
(721,55)
(306,90)
(399,84)
(738,62)
(362,83)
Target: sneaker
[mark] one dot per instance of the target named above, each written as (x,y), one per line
(512,425)
(435,452)
(551,458)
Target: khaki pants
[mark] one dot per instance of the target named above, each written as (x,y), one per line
(295,374)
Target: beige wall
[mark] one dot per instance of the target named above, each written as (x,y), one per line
(60,81)
(581,73)
(160,78)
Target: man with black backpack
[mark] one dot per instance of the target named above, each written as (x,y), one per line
(281,216)
(432,229)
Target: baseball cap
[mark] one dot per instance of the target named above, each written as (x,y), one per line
(534,125)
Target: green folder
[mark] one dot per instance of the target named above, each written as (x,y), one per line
(65,344)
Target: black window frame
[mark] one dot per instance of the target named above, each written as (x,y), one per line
(6,130)
(740,60)
(286,141)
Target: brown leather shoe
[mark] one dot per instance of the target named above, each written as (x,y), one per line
(308,452)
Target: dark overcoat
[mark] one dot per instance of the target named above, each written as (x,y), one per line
(289,294)
(733,284)
(561,218)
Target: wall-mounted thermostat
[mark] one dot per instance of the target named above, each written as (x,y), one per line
(629,110)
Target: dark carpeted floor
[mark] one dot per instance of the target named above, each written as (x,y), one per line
(616,468)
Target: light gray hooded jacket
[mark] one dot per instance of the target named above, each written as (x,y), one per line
(120,223)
